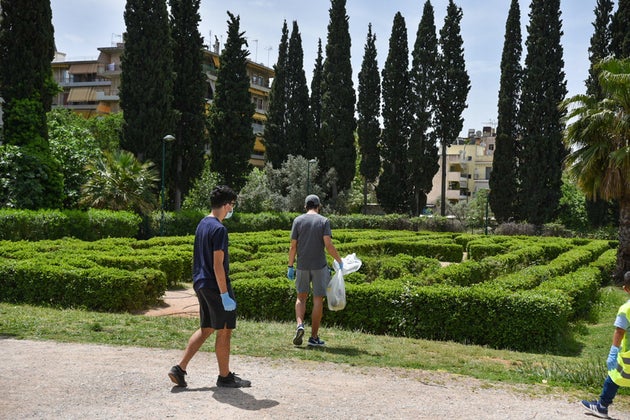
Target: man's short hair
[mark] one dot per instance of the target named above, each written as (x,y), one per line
(221,195)
(311,202)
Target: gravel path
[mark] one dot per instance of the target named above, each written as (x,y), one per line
(43,379)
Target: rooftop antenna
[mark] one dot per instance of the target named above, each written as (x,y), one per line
(115,37)
(492,123)
(256,56)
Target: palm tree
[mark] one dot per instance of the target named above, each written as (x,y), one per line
(599,139)
(120,182)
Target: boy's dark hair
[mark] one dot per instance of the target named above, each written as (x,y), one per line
(222,195)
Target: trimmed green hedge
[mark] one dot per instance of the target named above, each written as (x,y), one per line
(88,225)
(528,320)
(115,274)
(97,288)
(522,298)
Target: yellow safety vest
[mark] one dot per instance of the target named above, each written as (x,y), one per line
(621,374)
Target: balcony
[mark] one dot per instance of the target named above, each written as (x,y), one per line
(452,195)
(67,83)
(109,69)
(103,96)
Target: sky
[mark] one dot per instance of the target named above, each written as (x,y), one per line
(82,26)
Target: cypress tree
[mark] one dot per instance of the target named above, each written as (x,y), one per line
(231,135)
(146,85)
(600,44)
(503,179)
(369,112)
(298,115)
(33,178)
(452,87)
(423,151)
(275,137)
(189,99)
(392,190)
(314,149)
(620,41)
(544,87)
(338,100)
(598,210)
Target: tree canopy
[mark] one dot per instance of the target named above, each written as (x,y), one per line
(231,135)
(542,151)
(504,177)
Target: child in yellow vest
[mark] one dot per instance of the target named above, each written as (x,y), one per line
(618,361)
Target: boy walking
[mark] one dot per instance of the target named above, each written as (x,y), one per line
(211,281)
(618,361)
(311,236)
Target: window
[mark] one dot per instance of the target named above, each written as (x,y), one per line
(258,80)
(258,102)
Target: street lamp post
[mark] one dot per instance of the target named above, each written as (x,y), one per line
(166,138)
(308,175)
(487,211)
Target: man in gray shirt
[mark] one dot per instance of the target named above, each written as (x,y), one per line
(311,236)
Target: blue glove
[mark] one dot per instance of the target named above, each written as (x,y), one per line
(611,362)
(341,266)
(228,302)
(291,273)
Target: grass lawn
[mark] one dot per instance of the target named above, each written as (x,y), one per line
(581,370)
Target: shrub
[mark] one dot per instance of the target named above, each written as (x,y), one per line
(31,225)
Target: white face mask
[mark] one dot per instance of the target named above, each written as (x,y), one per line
(229,214)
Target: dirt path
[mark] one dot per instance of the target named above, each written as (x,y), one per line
(76,381)
(41,379)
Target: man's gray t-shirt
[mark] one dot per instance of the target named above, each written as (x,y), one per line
(309,231)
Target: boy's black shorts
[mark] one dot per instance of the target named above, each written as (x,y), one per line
(211,311)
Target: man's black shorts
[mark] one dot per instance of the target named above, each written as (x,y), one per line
(211,311)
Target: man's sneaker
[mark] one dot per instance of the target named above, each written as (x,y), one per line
(232,381)
(177,376)
(316,342)
(299,333)
(596,409)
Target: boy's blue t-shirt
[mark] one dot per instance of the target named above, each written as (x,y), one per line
(210,236)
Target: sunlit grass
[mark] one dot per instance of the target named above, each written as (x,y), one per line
(582,371)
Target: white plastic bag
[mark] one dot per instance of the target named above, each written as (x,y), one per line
(336,290)
(350,264)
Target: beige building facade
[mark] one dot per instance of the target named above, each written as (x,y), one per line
(91,87)
(469,164)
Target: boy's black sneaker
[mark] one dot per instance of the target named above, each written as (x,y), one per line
(316,342)
(177,375)
(232,381)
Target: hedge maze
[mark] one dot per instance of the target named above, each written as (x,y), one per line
(512,292)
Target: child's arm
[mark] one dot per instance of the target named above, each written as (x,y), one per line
(618,336)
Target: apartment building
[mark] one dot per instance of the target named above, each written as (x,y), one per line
(469,164)
(91,87)
(260,78)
